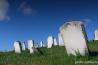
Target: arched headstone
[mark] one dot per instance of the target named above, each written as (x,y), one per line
(17,47)
(31,46)
(49,42)
(74,37)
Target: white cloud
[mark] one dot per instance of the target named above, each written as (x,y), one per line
(26,9)
(4,6)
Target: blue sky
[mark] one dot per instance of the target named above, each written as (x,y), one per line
(37,19)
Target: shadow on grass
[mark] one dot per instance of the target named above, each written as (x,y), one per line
(40,51)
(93,53)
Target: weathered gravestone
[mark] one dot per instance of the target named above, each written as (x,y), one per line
(23,46)
(74,37)
(17,47)
(55,42)
(49,42)
(61,43)
(96,34)
(31,46)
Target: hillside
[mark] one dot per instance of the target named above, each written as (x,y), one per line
(53,56)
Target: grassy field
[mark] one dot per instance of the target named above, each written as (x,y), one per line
(54,56)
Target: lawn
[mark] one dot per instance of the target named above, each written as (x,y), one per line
(53,56)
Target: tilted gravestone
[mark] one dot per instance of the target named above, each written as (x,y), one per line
(55,42)
(17,47)
(31,46)
(96,34)
(61,42)
(74,37)
(49,42)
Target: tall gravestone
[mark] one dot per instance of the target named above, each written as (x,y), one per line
(49,42)
(31,46)
(23,46)
(61,43)
(96,34)
(55,42)
(74,37)
(17,47)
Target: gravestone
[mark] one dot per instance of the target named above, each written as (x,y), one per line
(41,44)
(96,34)
(17,47)
(74,37)
(49,42)
(61,43)
(55,42)
(31,46)
(23,46)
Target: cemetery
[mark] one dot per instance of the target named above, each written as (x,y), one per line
(70,47)
(48,32)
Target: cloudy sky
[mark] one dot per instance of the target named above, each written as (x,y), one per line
(37,19)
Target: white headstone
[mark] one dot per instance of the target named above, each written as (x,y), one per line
(61,43)
(49,42)
(74,37)
(23,46)
(96,34)
(17,47)
(41,44)
(55,42)
(31,46)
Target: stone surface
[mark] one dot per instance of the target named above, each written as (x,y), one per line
(17,47)
(61,43)
(41,44)
(31,46)
(49,42)
(23,46)
(96,34)
(74,37)
(55,42)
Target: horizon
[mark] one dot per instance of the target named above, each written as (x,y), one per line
(34,19)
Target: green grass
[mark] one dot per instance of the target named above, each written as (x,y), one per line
(53,56)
